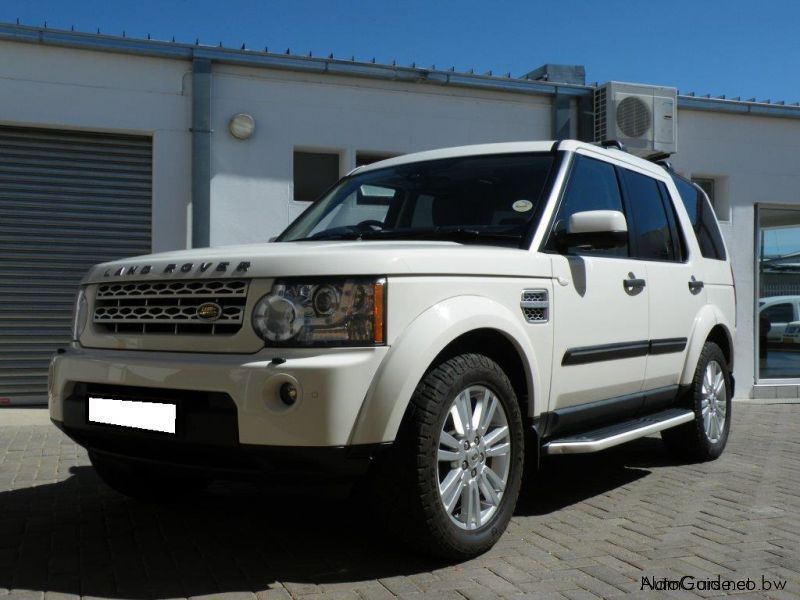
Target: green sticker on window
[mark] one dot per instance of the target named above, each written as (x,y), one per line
(522,205)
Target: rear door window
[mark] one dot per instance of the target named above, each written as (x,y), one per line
(652,234)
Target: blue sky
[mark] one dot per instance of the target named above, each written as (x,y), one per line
(734,47)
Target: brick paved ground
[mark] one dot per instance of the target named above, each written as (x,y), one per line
(587,527)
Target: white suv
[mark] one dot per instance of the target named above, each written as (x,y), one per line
(432,324)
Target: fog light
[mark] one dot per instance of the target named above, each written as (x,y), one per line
(288,394)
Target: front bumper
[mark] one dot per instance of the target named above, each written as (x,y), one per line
(331,383)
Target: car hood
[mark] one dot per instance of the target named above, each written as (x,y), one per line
(327,258)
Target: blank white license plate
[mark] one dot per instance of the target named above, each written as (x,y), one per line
(150,416)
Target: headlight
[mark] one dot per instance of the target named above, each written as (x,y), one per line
(329,312)
(80,314)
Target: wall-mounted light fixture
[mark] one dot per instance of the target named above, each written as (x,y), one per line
(242,126)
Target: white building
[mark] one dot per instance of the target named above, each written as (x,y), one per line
(113,146)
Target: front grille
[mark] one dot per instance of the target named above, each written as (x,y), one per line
(171,307)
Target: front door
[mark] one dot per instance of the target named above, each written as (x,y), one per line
(600,302)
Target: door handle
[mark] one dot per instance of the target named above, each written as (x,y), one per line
(695,286)
(633,283)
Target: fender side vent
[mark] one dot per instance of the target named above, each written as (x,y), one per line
(535,306)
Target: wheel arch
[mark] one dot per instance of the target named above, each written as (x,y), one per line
(710,325)
(456,325)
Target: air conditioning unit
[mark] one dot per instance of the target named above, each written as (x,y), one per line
(643,117)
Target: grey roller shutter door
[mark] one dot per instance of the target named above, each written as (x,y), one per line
(68,200)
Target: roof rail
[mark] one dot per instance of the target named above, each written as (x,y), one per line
(662,159)
(612,144)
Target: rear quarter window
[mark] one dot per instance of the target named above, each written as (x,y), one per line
(702,217)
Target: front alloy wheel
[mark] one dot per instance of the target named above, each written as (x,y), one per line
(474,457)
(452,483)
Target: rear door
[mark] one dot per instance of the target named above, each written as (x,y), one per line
(675,278)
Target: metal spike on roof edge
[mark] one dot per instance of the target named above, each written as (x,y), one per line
(243,48)
(45,24)
(72,28)
(353,58)
(123,33)
(173,39)
(433,67)
(373,60)
(394,62)
(98,31)
(453,69)
(738,98)
(266,49)
(288,51)
(196,41)
(220,43)
(310,55)
(413,65)
(508,74)
(471,71)
(330,55)
(781,102)
(753,99)
(17,20)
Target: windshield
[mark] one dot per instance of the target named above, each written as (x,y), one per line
(490,199)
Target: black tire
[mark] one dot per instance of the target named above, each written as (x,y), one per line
(690,441)
(145,481)
(409,482)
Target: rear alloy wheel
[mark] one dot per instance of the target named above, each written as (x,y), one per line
(705,437)
(455,471)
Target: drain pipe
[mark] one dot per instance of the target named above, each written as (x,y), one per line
(201,152)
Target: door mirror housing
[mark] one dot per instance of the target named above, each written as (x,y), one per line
(598,229)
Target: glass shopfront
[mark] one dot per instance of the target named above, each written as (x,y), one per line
(778,293)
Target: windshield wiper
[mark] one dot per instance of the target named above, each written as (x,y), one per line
(458,234)
(461,234)
(337,233)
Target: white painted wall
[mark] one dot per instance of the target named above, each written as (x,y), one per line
(759,161)
(78,89)
(251,189)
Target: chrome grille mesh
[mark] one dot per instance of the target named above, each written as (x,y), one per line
(170,307)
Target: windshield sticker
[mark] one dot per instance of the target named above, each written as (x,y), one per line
(522,205)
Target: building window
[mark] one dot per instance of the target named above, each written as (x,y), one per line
(367,158)
(314,173)
(713,188)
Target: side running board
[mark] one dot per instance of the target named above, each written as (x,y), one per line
(618,433)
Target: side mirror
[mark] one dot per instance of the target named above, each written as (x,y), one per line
(598,229)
